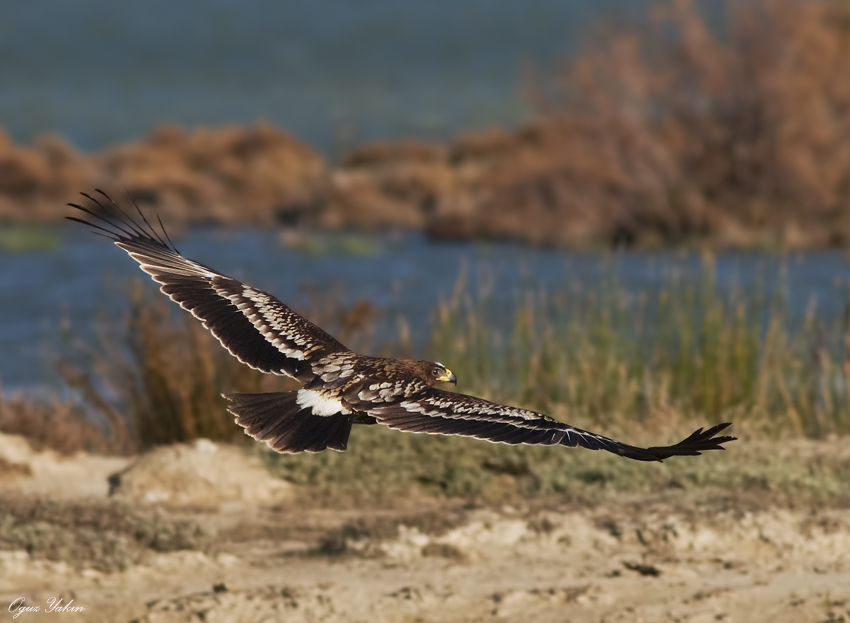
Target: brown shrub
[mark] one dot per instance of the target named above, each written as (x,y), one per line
(230,174)
(662,131)
(165,373)
(670,130)
(168,373)
(385,185)
(224,175)
(53,425)
(34,180)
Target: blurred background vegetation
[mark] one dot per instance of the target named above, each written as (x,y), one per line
(721,123)
(708,127)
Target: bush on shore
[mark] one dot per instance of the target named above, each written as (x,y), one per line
(664,131)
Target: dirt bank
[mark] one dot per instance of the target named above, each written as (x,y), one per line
(249,175)
(148,554)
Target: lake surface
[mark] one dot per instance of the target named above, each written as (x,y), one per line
(331,71)
(53,296)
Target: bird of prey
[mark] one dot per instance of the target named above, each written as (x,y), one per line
(339,387)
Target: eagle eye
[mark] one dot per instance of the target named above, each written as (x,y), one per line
(436,372)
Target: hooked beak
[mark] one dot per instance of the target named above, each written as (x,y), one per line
(448,377)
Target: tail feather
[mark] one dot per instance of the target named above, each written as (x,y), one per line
(277,419)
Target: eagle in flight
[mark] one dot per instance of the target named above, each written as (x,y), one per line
(340,387)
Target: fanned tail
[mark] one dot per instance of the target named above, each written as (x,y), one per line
(277,419)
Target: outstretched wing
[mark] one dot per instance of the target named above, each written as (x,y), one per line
(254,326)
(446,413)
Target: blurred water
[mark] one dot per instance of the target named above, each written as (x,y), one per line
(50,297)
(99,71)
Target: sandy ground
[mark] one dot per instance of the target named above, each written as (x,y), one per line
(278,556)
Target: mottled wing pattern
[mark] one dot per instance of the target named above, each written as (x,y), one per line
(447,413)
(336,371)
(340,387)
(380,392)
(255,327)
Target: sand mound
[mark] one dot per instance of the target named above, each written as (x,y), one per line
(48,473)
(198,474)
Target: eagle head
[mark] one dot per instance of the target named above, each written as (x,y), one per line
(435,372)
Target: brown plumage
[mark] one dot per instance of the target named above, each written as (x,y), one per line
(340,387)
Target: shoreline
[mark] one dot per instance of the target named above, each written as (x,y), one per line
(665,132)
(471,188)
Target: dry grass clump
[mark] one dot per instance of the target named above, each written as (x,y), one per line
(35,180)
(157,375)
(254,175)
(55,425)
(164,374)
(257,175)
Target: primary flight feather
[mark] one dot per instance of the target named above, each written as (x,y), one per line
(339,387)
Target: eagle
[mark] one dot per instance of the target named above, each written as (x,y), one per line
(339,387)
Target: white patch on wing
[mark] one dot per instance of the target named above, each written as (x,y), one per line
(319,403)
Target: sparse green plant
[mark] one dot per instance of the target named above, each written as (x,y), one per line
(608,357)
(600,356)
(105,535)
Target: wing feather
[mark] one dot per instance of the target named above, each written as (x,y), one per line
(254,326)
(446,413)
(267,335)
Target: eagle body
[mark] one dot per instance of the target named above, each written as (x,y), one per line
(339,387)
